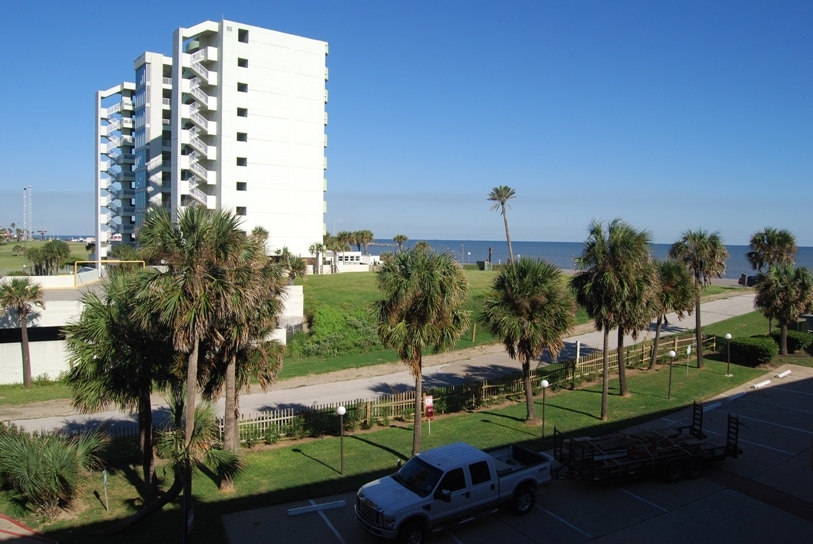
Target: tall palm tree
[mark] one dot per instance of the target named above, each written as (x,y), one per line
(400,239)
(605,278)
(675,293)
(771,246)
(117,359)
(705,255)
(19,296)
(635,309)
(529,309)
(365,238)
(195,291)
(317,249)
(500,195)
(784,292)
(423,293)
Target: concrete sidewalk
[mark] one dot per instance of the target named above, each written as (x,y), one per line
(493,363)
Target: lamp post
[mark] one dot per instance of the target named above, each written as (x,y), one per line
(672,356)
(545,384)
(728,357)
(334,225)
(340,411)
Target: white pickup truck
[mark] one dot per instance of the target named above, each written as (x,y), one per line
(444,486)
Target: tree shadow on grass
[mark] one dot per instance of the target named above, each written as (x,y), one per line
(387,449)
(508,426)
(312,458)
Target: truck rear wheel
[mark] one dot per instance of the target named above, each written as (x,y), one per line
(524,500)
(673,472)
(412,532)
(694,468)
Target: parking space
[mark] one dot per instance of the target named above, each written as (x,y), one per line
(764,495)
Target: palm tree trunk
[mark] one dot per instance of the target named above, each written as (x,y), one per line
(783,338)
(507,235)
(145,437)
(26,352)
(230,442)
(622,365)
(416,433)
(656,343)
(530,416)
(698,333)
(191,392)
(605,378)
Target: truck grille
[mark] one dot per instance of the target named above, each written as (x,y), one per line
(367,510)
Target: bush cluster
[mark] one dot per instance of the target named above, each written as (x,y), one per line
(753,351)
(336,331)
(797,340)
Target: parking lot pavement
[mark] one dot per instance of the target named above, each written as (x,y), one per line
(764,495)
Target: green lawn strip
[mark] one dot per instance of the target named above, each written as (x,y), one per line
(310,468)
(10,262)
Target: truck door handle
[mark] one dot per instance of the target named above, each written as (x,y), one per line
(468,495)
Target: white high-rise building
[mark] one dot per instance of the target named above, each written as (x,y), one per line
(234,120)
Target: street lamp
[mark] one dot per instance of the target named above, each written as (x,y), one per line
(545,384)
(334,225)
(728,361)
(672,356)
(340,411)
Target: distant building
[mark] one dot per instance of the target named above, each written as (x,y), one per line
(233,120)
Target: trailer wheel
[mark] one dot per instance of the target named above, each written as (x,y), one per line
(524,500)
(674,472)
(412,532)
(694,468)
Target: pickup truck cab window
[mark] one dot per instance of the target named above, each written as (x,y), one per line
(418,476)
(479,473)
(454,480)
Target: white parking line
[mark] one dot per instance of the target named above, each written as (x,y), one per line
(327,522)
(643,500)
(554,516)
(796,429)
(757,444)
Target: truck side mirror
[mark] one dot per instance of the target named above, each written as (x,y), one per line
(444,494)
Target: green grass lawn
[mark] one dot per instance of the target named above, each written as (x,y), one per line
(11,262)
(310,468)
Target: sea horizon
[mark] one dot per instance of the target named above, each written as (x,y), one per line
(562,253)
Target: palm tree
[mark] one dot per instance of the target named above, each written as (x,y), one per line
(20,296)
(605,278)
(704,255)
(784,292)
(500,195)
(635,309)
(675,293)
(529,309)
(195,290)
(115,358)
(317,249)
(400,239)
(423,295)
(365,238)
(771,246)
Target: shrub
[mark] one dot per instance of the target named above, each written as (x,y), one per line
(46,470)
(797,340)
(753,351)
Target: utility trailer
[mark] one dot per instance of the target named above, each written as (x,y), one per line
(672,453)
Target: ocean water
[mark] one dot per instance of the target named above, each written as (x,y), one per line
(562,253)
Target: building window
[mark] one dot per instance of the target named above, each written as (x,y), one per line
(242,112)
(241,210)
(242,161)
(242,35)
(242,63)
(242,137)
(242,87)
(242,186)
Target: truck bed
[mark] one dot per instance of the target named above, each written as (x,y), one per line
(511,459)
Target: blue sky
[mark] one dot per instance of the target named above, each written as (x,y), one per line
(672,115)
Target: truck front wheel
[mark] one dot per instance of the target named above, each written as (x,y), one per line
(524,500)
(412,532)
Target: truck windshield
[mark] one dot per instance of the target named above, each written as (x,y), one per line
(418,476)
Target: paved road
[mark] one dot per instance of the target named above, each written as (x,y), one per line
(288,394)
